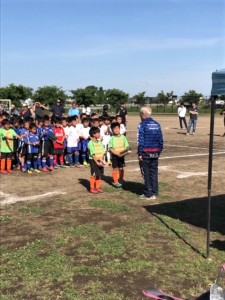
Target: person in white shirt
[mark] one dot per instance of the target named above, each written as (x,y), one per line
(182,113)
(122,126)
(86,110)
(84,139)
(73,136)
(105,136)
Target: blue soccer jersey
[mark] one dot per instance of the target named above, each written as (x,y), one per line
(32,140)
(45,131)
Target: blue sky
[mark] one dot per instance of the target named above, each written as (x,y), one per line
(132,45)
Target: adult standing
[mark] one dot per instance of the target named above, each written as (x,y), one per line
(223,113)
(39,110)
(14,111)
(86,110)
(57,109)
(122,112)
(149,145)
(25,112)
(74,111)
(193,119)
(182,113)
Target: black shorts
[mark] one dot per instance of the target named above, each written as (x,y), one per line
(31,156)
(5,155)
(95,169)
(23,149)
(47,148)
(58,151)
(118,162)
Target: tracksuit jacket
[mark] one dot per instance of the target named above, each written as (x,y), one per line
(149,139)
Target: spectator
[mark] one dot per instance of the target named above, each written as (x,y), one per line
(14,111)
(25,112)
(181,113)
(86,110)
(39,110)
(193,119)
(74,111)
(57,110)
(122,112)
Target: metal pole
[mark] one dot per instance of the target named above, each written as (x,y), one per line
(210,174)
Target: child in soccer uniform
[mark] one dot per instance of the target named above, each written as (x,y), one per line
(117,143)
(122,127)
(66,130)
(73,136)
(84,139)
(59,144)
(15,126)
(47,150)
(32,140)
(7,135)
(96,155)
(105,135)
(39,123)
(23,132)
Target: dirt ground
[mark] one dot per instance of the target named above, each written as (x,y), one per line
(183,163)
(183,172)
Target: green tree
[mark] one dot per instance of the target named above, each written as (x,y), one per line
(49,94)
(165,97)
(191,96)
(115,97)
(139,99)
(86,96)
(16,93)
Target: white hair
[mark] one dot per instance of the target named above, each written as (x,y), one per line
(146,110)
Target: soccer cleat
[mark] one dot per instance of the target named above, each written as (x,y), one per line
(63,166)
(85,163)
(99,190)
(117,184)
(109,163)
(77,165)
(51,168)
(37,171)
(10,171)
(57,166)
(93,191)
(4,172)
(29,172)
(44,169)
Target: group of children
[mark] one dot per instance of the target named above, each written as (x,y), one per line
(41,145)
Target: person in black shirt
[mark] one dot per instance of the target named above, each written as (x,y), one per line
(39,110)
(122,112)
(57,110)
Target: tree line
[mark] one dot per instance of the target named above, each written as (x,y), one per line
(90,95)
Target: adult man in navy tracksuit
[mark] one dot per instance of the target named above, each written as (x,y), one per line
(150,145)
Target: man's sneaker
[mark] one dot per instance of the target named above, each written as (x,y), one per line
(37,171)
(29,172)
(99,190)
(85,163)
(117,185)
(4,172)
(144,197)
(51,168)
(93,191)
(44,169)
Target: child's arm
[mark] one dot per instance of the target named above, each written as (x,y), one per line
(114,152)
(99,163)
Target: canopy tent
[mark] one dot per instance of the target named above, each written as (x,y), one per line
(218,89)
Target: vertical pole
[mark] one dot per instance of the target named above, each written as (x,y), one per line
(210,174)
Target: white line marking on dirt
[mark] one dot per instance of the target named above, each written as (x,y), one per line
(181,175)
(10,198)
(181,156)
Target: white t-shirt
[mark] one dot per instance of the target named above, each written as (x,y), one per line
(182,111)
(122,129)
(86,110)
(73,136)
(85,132)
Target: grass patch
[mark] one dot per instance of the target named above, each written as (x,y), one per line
(110,205)
(5,218)
(36,210)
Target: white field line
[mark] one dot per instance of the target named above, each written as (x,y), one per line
(202,127)
(180,156)
(183,146)
(9,198)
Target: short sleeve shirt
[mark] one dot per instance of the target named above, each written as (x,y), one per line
(97,149)
(118,143)
(7,146)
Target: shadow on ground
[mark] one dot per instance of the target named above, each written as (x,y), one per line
(194,212)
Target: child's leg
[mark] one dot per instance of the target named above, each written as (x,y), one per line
(55,159)
(76,158)
(92,183)
(61,159)
(3,163)
(98,184)
(121,173)
(9,163)
(115,175)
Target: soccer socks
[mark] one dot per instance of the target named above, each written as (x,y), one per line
(35,162)
(115,176)
(9,164)
(28,164)
(55,159)
(121,172)
(39,162)
(51,161)
(3,162)
(61,159)
(97,183)
(70,159)
(44,162)
(92,182)
(76,158)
